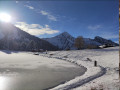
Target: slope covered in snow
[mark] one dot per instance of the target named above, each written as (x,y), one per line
(107,58)
(89,41)
(63,41)
(66,41)
(104,41)
(13,38)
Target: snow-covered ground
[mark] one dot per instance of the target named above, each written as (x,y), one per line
(105,76)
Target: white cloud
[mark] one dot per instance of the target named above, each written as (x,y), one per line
(51,17)
(44,12)
(35,29)
(95,27)
(30,7)
(17,1)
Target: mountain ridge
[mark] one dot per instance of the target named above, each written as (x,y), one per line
(66,41)
(13,38)
(63,40)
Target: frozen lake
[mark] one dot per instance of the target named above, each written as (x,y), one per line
(23,71)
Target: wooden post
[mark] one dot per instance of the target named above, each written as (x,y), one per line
(95,63)
(46,51)
(119,38)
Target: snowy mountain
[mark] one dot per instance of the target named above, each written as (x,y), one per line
(89,41)
(66,41)
(105,41)
(13,38)
(63,41)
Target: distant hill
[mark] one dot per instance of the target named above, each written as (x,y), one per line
(13,38)
(66,41)
(104,41)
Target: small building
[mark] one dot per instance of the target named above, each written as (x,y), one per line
(40,50)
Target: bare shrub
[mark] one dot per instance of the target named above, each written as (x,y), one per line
(79,42)
(92,46)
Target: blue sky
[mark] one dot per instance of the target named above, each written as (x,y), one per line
(79,18)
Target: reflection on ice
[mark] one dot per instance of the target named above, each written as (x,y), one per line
(36,79)
(3,82)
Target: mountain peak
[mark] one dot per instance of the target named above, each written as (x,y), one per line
(99,37)
(105,41)
(63,40)
(65,33)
